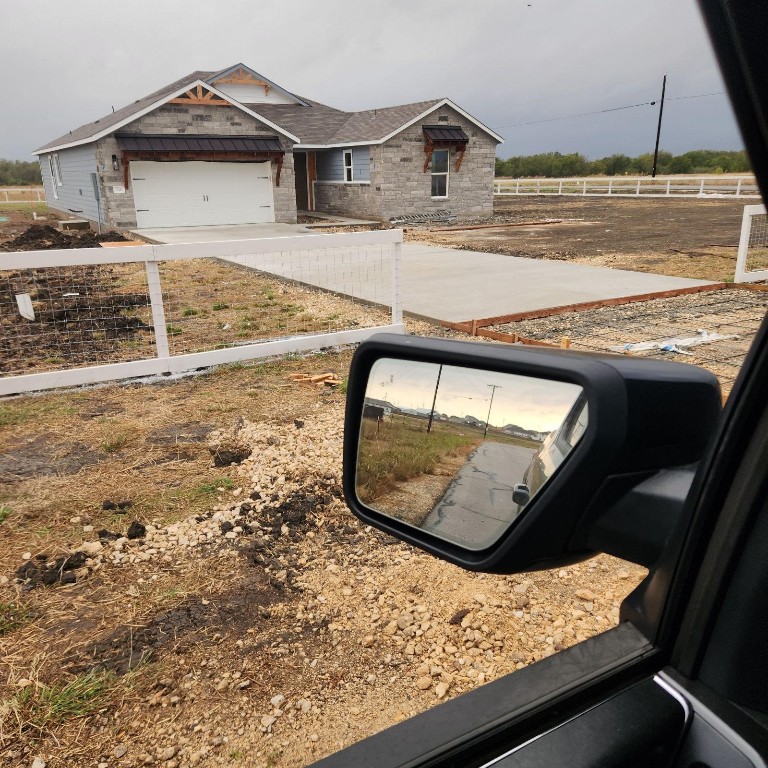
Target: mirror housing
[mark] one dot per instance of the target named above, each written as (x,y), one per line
(645,416)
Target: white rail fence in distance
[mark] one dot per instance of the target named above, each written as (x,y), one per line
(87,315)
(752,258)
(22,195)
(632,186)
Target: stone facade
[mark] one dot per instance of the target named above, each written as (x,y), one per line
(398,177)
(357,200)
(119,210)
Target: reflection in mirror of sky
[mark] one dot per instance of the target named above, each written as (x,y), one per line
(529,402)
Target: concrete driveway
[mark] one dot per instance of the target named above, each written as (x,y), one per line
(442,283)
(220,233)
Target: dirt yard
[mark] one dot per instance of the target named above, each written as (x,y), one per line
(181,583)
(685,238)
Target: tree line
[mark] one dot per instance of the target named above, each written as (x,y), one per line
(555,164)
(19,173)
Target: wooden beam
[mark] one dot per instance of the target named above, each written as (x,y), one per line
(428,151)
(587,305)
(279,170)
(311,176)
(495,226)
(460,156)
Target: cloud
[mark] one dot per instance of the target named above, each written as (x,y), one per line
(503,60)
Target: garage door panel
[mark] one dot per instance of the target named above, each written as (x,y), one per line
(201,194)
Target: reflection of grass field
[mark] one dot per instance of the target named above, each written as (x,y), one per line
(400,449)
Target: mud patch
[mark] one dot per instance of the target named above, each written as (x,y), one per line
(42,456)
(178,630)
(43,237)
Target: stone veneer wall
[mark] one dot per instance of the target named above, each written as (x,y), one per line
(119,209)
(355,200)
(397,172)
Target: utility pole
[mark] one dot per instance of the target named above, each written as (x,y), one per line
(493,387)
(658,129)
(434,400)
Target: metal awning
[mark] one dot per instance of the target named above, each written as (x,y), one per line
(176,143)
(445,134)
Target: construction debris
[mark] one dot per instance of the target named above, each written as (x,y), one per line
(674,344)
(423,218)
(317,380)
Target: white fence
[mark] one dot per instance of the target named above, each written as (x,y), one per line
(638,186)
(752,258)
(22,195)
(81,316)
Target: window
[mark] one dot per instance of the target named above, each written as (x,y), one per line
(347,165)
(55,166)
(440,173)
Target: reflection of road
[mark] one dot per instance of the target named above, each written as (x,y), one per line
(478,506)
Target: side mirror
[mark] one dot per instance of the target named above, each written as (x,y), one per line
(504,458)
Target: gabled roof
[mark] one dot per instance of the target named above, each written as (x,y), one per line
(216,76)
(312,124)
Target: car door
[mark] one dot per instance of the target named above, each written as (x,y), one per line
(683,679)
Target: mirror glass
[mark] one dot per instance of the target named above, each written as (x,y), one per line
(460,452)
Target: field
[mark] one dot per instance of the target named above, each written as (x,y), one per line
(182,584)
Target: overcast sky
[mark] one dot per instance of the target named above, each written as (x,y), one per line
(67,62)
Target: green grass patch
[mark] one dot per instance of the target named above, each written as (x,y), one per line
(219,305)
(211,487)
(116,442)
(12,616)
(40,706)
(189,312)
(26,410)
(5,513)
(173,330)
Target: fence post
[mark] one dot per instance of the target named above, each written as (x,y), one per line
(701,187)
(584,187)
(397,299)
(517,188)
(738,187)
(637,191)
(158,311)
(560,188)
(669,181)
(610,185)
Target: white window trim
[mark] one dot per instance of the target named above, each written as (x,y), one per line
(344,153)
(55,168)
(447,173)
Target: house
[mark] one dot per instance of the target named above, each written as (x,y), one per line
(385,406)
(232,147)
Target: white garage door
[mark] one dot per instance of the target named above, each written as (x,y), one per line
(196,194)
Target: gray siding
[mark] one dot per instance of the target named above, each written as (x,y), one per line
(76,195)
(330,164)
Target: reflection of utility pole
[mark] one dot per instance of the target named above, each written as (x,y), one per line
(493,387)
(434,400)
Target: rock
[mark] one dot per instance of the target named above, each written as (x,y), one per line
(268,721)
(585,594)
(458,616)
(368,641)
(90,548)
(136,530)
(424,683)
(26,556)
(120,750)
(441,689)
(38,762)
(167,753)
(276,701)
(108,506)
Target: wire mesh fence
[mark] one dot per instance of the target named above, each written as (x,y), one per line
(56,317)
(83,315)
(752,258)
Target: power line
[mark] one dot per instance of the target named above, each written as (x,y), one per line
(612,109)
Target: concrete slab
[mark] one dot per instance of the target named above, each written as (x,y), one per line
(454,285)
(219,233)
(439,283)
